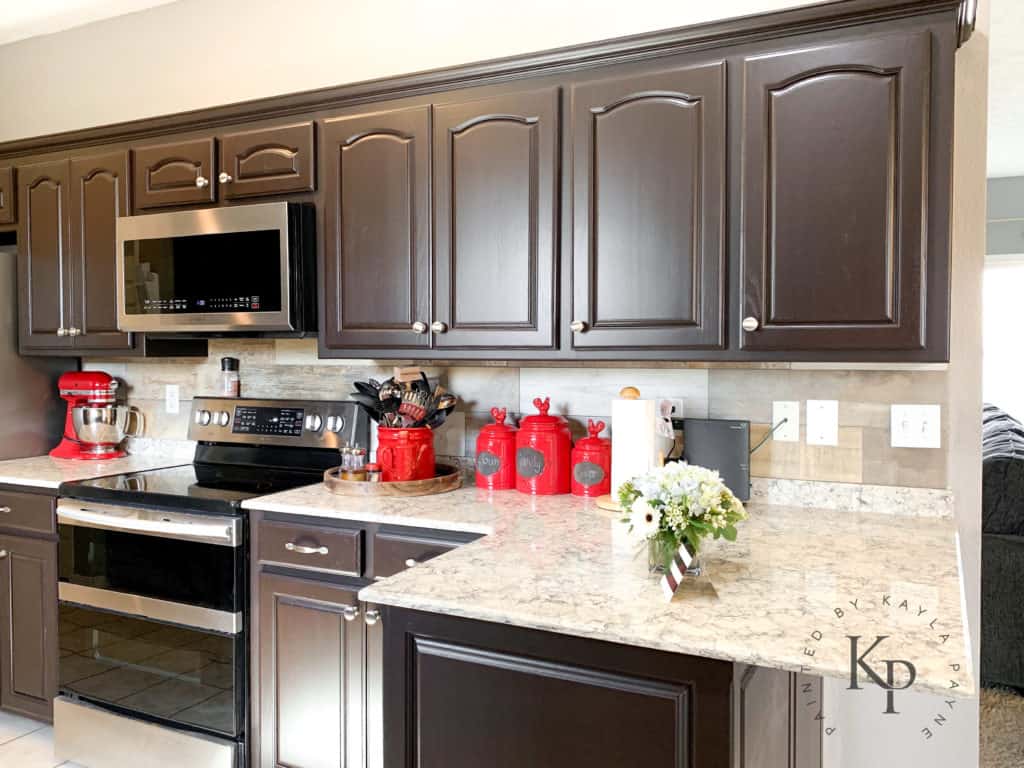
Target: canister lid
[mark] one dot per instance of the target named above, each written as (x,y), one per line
(229,363)
(542,420)
(594,428)
(499,427)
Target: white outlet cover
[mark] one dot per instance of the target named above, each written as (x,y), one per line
(915,426)
(172,398)
(823,422)
(790,411)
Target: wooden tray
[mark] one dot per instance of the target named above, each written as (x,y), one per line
(448,478)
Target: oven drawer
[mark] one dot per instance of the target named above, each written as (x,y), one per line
(31,512)
(394,552)
(333,550)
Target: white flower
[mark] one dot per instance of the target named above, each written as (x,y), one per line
(644,519)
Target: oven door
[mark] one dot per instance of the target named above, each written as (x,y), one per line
(205,271)
(151,615)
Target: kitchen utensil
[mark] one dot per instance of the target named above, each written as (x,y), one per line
(98,439)
(543,443)
(592,463)
(104,427)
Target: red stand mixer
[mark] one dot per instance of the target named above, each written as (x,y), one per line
(95,425)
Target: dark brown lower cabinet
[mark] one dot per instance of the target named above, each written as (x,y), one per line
(462,694)
(778,718)
(28,625)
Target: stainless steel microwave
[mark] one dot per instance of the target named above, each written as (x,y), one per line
(239,269)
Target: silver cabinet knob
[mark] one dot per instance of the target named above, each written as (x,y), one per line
(74,331)
(419,327)
(225,177)
(202,181)
(750,324)
(350,612)
(62,331)
(410,563)
(5,510)
(577,326)
(302,549)
(438,327)
(3,553)
(372,616)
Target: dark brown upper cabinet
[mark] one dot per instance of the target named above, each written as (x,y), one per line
(44,309)
(8,208)
(268,161)
(377,230)
(835,199)
(648,190)
(495,216)
(180,173)
(99,194)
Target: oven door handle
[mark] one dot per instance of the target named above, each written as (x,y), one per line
(213,533)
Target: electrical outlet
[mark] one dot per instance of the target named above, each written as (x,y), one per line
(672,407)
(915,426)
(790,411)
(172,398)
(823,422)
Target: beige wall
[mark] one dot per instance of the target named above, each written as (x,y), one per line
(200,53)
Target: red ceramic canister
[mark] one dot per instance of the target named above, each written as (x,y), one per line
(543,444)
(496,454)
(592,463)
(405,454)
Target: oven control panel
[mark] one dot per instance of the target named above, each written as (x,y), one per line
(301,423)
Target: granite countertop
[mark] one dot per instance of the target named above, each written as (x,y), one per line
(47,472)
(787,594)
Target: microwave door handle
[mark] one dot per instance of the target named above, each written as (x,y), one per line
(211,532)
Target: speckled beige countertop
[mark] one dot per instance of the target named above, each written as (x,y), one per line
(787,594)
(47,472)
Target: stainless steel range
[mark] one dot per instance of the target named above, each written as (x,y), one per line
(154,575)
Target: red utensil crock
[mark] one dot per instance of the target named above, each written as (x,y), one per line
(405,454)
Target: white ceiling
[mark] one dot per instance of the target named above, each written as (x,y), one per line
(27,18)
(1006,89)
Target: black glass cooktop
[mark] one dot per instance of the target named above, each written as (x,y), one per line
(216,488)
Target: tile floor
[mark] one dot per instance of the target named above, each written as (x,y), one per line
(26,743)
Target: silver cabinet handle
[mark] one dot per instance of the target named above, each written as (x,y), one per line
(350,612)
(202,181)
(577,326)
(62,331)
(74,331)
(410,563)
(225,177)
(419,327)
(438,327)
(302,549)
(5,510)
(750,324)
(3,553)
(372,616)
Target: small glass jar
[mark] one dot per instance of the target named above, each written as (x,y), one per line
(373,472)
(231,382)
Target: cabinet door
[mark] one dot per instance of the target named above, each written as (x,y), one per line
(7,205)
(377,247)
(43,311)
(648,200)
(496,201)
(28,625)
(180,173)
(835,141)
(269,161)
(99,194)
(778,718)
(311,675)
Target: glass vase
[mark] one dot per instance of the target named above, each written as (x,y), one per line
(659,559)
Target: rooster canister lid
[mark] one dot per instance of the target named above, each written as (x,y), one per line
(592,441)
(542,420)
(499,427)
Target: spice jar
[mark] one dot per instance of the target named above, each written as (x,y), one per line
(496,454)
(592,463)
(373,472)
(231,382)
(543,444)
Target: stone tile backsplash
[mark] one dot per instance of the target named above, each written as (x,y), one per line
(290,368)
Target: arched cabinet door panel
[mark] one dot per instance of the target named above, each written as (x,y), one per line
(179,173)
(268,161)
(648,248)
(496,204)
(376,212)
(835,199)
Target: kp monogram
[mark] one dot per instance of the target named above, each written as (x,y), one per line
(889,683)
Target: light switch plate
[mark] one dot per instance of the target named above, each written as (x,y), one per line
(823,422)
(915,426)
(172,398)
(790,411)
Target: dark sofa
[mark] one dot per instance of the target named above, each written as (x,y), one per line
(1002,550)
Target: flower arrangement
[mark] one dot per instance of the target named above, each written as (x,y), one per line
(679,502)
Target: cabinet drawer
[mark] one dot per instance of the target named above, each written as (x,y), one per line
(7,207)
(337,550)
(173,174)
(394,552)
(270,161)
(30,512)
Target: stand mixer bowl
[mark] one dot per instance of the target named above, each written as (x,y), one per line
(106,425)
